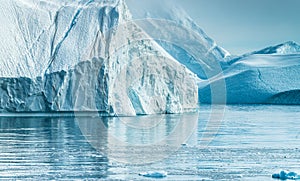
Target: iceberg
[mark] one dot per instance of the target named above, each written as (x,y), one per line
(285,175)
(289,47)
(99,55)
(154,174)
(86,55)
(268,76)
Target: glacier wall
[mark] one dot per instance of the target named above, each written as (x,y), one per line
(156,87)
(86,56)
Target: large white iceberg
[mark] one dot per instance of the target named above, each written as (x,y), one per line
(94,55)
(86,55)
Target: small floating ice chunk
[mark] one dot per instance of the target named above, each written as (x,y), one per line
(154,174)
(285,175)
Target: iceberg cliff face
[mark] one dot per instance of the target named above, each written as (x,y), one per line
(86,56)
(268,76)
(44,37)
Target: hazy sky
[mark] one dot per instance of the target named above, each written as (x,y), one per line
(241,26)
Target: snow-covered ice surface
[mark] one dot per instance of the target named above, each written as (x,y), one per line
(286,48)
(266,76)
(86,56)
(253,143)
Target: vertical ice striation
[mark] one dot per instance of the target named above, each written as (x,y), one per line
(86,55)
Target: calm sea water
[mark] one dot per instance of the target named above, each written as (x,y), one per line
(238,142)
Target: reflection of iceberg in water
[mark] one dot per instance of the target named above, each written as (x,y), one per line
(139,140)
(49,148)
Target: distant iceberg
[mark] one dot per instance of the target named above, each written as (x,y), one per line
(285,175)
(268,76)
(154,174)
(286,48)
